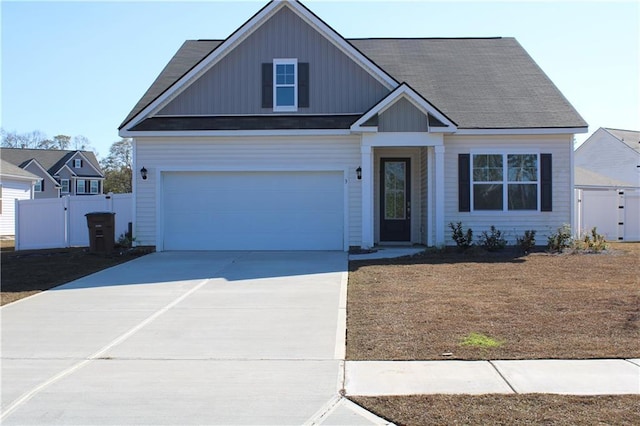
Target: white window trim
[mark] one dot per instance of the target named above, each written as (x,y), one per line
(276,107)
(37,187)
(97,187)
(505,182)
(62,181)
(83,186)
(77,163)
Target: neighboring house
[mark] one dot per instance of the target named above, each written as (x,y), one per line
(15,184)
(61,172)
(288,136)
(607,181)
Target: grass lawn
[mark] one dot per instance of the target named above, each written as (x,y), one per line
(498,306)
(31,271)
(531,409)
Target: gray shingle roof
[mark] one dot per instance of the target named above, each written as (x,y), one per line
(10,170)
(628,137)
(50,159)
(478,83)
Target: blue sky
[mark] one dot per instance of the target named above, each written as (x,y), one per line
(77,68)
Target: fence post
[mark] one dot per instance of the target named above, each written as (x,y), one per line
(67,219)
(16,225)
(109,198)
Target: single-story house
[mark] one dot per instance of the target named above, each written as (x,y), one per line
(286,135)
(607,182)
(15,184)
(60,172)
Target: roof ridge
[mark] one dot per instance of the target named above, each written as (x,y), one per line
(429,38)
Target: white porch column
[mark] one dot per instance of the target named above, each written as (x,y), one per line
(439,195)
(367,196)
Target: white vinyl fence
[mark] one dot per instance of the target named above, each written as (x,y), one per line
(61,222)
(615,213)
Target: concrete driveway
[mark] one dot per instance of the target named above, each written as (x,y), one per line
(182,338)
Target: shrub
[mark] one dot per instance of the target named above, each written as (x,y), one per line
(125,240)
(594,242)
(560,240)
(463,240)
(492,240)
(527,241)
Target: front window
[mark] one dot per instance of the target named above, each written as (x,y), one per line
(505,182)
(77,163)
(94,186)
(80,186)
(285,93)
(38,186)
(64,183)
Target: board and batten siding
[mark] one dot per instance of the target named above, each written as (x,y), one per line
(234,84)
(402,116)
(282,153)
(511,223)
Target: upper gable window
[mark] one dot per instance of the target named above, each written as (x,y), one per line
(285,85)
(285,79)
(77,163)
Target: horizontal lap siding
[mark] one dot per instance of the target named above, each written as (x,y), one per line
(258,153)
(512,223)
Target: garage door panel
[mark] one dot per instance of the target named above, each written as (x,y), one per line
(253,211)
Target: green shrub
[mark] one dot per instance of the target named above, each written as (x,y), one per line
(492,240)
(463,240)
(527,241)
(560,240)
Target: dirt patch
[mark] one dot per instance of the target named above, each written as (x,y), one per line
(536,306)
(28,272)
(532,409)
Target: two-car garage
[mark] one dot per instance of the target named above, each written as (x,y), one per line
(261,210)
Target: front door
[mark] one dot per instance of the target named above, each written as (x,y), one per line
(395,199)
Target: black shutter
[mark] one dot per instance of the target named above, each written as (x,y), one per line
(303,85)
(42,185)
(267,85)
(546,188)
(464,183)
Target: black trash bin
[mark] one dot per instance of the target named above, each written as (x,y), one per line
(101,231)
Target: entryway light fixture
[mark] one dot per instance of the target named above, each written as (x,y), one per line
(359,173)
(143,173)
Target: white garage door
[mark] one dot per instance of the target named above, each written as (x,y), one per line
(253,210)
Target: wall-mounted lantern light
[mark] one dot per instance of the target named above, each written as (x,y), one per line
(143,173)
(359,173)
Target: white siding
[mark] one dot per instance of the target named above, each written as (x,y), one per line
(11,191)
(512,223)
(287,153)
(602,153)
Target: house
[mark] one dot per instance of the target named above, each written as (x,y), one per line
(286,135)
(15,184)
(607,181)
(61,172)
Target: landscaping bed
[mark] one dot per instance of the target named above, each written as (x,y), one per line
(495,305)
(531,409)
(28,272)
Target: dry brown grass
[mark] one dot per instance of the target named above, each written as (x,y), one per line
(28,272)
(532,409)
(539,306)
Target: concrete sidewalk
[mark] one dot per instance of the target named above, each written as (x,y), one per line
(572,377)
